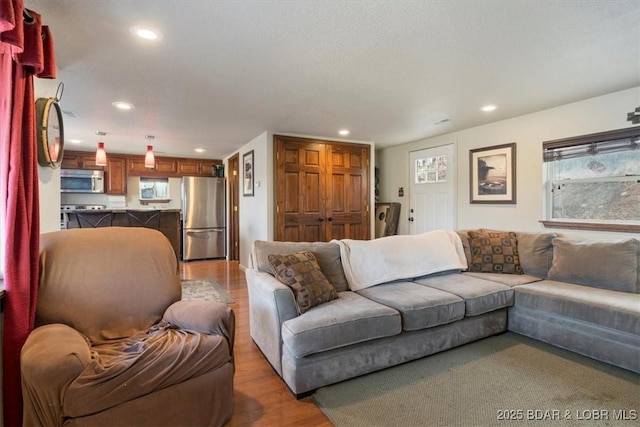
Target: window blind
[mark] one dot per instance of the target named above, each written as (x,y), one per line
(592,144)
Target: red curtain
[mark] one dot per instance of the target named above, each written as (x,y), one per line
(23,54)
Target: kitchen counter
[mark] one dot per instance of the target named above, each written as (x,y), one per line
(141,209)
(170,224)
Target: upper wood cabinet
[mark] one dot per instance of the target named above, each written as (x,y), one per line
(133,165)
(321,190)
(165,166)
(79,160)
(116,175)
(196,167)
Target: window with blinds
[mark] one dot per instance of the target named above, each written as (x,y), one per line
(594,178)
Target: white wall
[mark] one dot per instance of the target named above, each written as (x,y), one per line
(256,213)
(598,114)
(49,182)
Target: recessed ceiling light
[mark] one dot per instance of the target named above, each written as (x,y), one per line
(75,141)
(488,108)
(145,33)
(123,105)
(343,132)
(199,150)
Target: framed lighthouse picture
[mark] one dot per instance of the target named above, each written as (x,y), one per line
(492,174)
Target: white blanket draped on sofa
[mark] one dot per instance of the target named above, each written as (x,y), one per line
(371,262)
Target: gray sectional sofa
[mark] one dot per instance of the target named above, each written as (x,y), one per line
(582,296)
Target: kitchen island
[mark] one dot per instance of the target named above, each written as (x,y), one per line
(168,222)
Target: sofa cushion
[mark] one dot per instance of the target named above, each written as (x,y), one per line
(494,252)
(420,307)
(612,309)
(479,295)
(606,265)
(347,320)
(510,280)
(301,272)
(327,254)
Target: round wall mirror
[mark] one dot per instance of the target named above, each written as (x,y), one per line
(50,132)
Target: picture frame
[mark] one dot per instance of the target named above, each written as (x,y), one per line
(492,174)
(248,174)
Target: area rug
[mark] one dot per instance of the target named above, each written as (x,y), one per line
(204,289)
(506,380)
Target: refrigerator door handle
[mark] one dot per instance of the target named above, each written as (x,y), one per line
(200,234)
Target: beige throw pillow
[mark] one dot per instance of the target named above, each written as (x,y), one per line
(301,272)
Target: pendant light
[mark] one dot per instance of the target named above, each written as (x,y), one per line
(149,159)
(101,155)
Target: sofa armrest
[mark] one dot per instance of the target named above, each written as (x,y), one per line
(270,304)
(52,357)
(207,317)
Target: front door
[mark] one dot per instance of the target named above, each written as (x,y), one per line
(432,189)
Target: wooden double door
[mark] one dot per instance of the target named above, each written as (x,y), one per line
(321,190)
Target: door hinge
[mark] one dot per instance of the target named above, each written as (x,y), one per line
(235,173)
(235,209)
(277,208)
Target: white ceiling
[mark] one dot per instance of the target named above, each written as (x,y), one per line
(226,71)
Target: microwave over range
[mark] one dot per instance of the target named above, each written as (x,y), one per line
(81,181)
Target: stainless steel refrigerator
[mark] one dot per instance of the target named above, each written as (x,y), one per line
(203,218)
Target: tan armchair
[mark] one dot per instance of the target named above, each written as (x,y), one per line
(113,343)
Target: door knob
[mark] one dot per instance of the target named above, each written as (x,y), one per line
(320,219)
(329,219)
(410,219)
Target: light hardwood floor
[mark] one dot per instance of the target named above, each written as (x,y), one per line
(261,397)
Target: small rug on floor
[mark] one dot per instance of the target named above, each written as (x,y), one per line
(506,380)
(204,289)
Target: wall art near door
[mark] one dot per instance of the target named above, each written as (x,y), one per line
(248,174)
(493,174)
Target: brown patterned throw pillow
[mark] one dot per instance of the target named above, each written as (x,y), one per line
(494,252)
(301,272)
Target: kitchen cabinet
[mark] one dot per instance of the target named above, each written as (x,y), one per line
(120,166)
(321,190)
(79,160)
(165,166)
(116,175)
(196,167)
